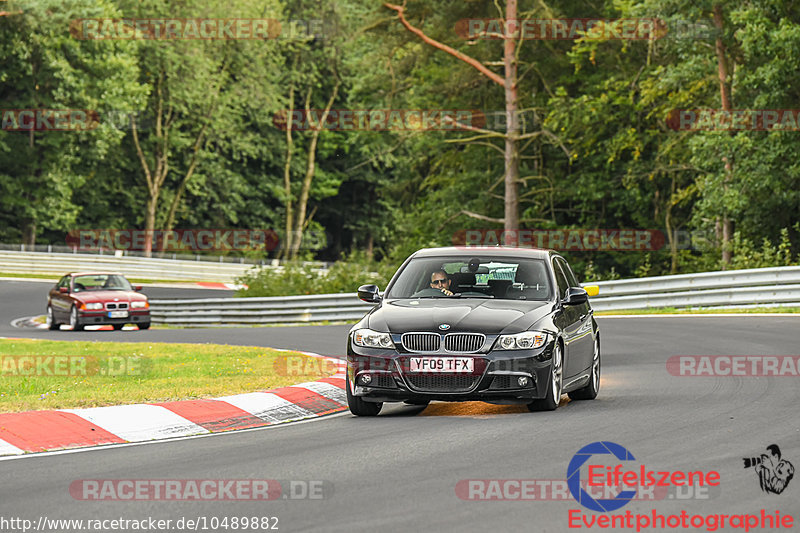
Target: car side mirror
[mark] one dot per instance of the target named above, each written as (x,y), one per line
(369,293)
(575,296)
(137,287)
(63,290)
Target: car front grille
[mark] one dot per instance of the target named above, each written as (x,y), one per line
(383,381)
(463,342)
(117,306)
(443,382)
(503,382)
(422,342)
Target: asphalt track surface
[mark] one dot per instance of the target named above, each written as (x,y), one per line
(399,471)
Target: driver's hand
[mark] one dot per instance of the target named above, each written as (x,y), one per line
(446,292)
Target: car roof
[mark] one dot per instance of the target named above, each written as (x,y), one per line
(73,274)
(502,251)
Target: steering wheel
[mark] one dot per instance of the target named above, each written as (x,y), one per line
(428,291)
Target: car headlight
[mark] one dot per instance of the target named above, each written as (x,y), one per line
(526,340)
(139,305)
(93,306)
(372,339)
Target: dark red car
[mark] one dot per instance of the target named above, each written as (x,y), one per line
(96,299)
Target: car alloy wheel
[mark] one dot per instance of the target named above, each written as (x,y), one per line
(555,386)
(558,371)
(51,321)
(73,319)
(596,365)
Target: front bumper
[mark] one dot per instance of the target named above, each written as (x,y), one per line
(494,379)
(101,318)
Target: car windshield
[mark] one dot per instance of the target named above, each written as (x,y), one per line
(507,278)
(101,282)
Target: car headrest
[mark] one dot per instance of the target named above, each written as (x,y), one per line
(499,284)
(462,278)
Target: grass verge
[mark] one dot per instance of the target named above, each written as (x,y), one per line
(92,374)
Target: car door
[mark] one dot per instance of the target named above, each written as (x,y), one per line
(58,301)
(582,343)
(566,319)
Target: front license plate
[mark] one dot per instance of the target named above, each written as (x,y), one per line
(117,314)
(442,364)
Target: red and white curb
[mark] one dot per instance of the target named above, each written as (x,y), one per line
(29,322)
(40,431)
(222,286)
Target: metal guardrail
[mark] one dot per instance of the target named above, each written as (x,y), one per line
(738,288)
(278,310)
(773,287)
(200,268)
(59,264)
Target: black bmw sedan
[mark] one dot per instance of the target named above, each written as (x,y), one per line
(499,325)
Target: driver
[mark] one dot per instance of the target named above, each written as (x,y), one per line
(439,280)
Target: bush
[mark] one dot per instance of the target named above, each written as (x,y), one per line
(298,279)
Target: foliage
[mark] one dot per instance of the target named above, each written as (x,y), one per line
(297,278)
(605,158)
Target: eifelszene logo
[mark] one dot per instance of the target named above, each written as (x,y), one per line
(574,476)
(774,473)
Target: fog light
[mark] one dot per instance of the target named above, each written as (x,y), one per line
(366,379)
(523,381)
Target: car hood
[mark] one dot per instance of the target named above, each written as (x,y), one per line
(475,315)
(108,296)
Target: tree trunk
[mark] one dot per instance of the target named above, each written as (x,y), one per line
(725,97)
(287,172)
(511,157)
(29,232)
(370,246)
(302,202)
(150,223)
(509,83)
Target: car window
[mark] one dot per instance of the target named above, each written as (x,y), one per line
(571,279)
(501,277)
(101,282)
(63,282)
(561,280)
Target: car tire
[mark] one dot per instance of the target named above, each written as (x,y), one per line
(73,319)
(589,392)
(360,407)
(52,323)
(144,325)
(118,327)
(555,385)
